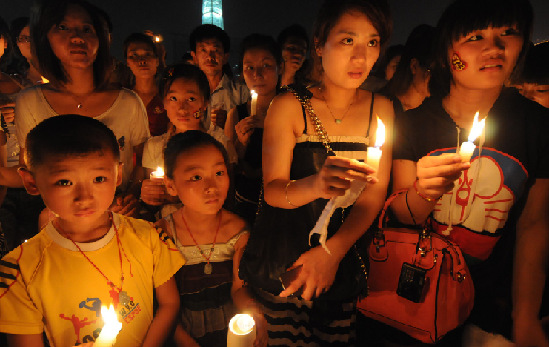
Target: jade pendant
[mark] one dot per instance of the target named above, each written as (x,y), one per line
(338,121)
(208,269)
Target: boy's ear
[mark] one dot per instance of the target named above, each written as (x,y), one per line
(195,60)
(318,48)
(119,174)
(28,181)
(414,65)
(170,186)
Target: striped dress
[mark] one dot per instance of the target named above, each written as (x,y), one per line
(206,304)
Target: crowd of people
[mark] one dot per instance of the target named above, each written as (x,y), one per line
(185,193)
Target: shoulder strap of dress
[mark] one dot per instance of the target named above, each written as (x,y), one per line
(371,114)
(171,226)
(232,241)
(302,94)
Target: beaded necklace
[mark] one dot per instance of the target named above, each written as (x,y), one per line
(208,266)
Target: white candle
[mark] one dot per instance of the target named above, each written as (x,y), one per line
(467,148)
(373,154)
(158,173)
(241,331)
(111,327)
(254,103)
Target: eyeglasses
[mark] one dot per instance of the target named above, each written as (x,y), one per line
(23,39)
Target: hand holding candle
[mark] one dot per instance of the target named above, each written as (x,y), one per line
(241,331)
(373,154)
(467,148)
(253,108)
(110,330)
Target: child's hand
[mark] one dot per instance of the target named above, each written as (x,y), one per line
(126,205)
(7,110)
(153,192)
(261,337)
(335,176)
(244,129)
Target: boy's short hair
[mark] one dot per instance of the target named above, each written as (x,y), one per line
(293,31)
(188,72)
(536,66)
(210,31)
(183,142)
(67,135)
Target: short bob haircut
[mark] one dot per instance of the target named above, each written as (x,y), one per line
(187,141)
(535,69)
(209,31)
(66,136)
(377,11)
(188,72)
(419,47)
(465,16)
(50,13)
(139,38)
(263,42)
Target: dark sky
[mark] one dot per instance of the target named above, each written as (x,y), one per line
(174,19)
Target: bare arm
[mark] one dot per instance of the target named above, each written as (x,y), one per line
(32,340)
(166,314)
(530,270)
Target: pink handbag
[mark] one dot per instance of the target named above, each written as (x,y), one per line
(418,282)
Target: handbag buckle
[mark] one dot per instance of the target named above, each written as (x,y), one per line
(420,248)
(379,240)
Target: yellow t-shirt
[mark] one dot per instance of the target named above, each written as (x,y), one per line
(46,284)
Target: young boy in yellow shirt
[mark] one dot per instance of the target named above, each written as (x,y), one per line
(86,256)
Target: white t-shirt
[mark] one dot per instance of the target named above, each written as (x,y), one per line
(126,117)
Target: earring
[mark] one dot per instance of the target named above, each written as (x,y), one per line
(457,63)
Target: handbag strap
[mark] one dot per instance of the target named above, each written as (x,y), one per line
(383,216)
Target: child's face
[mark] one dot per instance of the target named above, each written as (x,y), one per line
(535,92)
(488,57)
(200,179)
(351,49)
(260,71)
(183,100)
(77,188)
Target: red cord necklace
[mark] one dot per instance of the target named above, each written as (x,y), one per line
(208,266)
(118,295)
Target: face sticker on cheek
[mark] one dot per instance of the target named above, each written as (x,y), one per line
(457,63)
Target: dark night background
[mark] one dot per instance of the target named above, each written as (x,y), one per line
(176,19)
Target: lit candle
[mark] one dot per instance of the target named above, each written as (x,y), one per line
(254,103)
(467,148)
(158,173)
(111,327)
(44,80)
(373,154)
(241,331)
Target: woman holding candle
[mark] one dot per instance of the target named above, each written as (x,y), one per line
(261,62)
(299,178)
(481,203)
(185,92)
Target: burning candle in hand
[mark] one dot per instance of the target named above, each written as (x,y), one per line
(110,330)
(158,173)
(467,148)
(241,331)
(254,103)
(373,154)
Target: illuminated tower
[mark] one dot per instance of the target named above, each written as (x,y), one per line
(212,12)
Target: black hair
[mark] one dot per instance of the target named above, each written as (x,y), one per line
(19,64)
(68,135)
(265,42)
(464,16)
(419,47)
(377,11)
(184,142)
(5,60)
(209,31)
(47,13)
(296,31)
(188,72)
(139,38)
(536,66)
(381,64)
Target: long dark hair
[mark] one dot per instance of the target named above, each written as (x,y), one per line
(465,16)
(47,13)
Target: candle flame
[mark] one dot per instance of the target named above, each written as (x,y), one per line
(253,93)
(241,324)
(44,80)
(111,327)
(477,128)
(158,38)
(159,172)
(380,133)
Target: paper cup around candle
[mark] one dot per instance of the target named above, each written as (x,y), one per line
(241,331)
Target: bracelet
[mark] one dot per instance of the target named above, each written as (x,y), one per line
(423,196)
(286,193)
